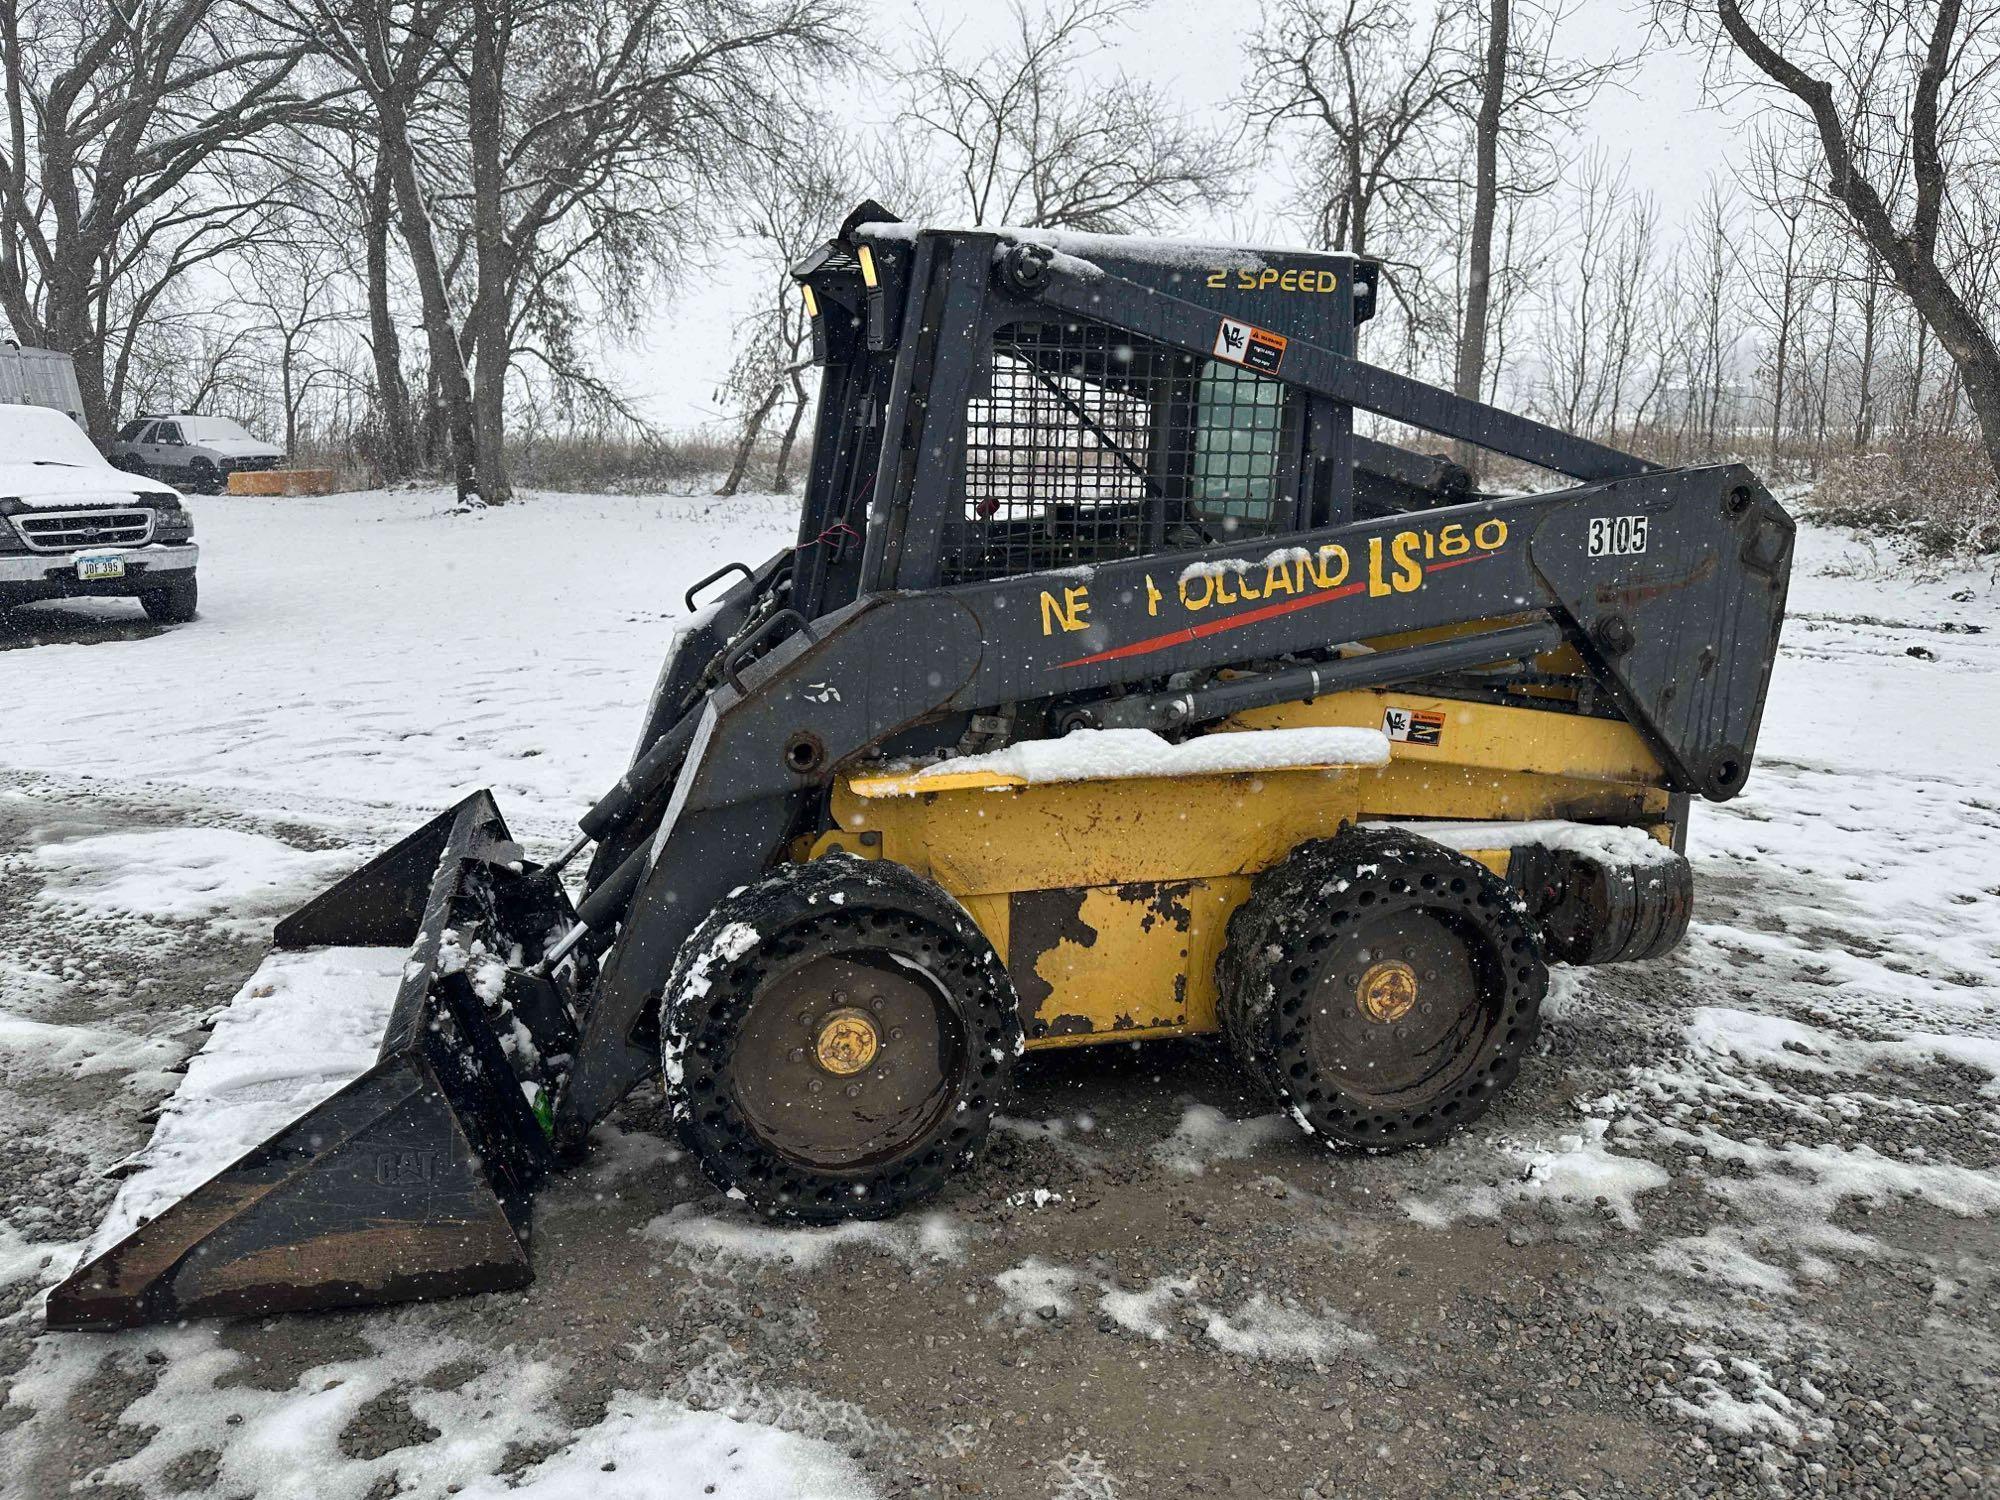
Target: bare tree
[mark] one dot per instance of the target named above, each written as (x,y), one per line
(793,201)
(1364,87)
(1778,264)
(1486,122)
(577,146)
(1527,93)
(1027,135)
(291,298)
(123,170)
(1899,102)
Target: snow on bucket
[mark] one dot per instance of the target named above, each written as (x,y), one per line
(358,1128)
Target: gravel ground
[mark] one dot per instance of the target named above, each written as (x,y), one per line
(1147,1288)
(1735,1232)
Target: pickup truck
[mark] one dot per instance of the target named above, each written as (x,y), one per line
(72,526)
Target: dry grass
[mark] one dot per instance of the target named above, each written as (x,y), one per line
(1938,493)
(610,463)
(616,464)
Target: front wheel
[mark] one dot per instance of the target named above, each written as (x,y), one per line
(172,605)
(204,478)
(1381,987)
(835,1040)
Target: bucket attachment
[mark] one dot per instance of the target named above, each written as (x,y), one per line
(307,1186)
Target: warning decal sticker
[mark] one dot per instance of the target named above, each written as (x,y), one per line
(1247,344)
(1413,726)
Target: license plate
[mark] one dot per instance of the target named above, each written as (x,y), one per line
(97,569)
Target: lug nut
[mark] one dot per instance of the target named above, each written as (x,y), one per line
(798,1054)
(814,1086)
(854,1091)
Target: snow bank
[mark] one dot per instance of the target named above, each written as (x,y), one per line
(181,873)
(649,1448)
(305,1025)
(355,662)
(1613,845)
(1122,754)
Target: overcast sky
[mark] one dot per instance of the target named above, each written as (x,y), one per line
(1657,121)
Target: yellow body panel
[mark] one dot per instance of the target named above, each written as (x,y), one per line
(1110,900)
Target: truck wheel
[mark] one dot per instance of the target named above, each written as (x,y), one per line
(1381,987)
(835,1039)
(172,605)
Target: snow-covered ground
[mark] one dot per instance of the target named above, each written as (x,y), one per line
(1739,1148)
(376,651)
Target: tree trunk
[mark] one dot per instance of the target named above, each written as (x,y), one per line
(1485,200)
(781,481)
(286,362)
(488,334)
(751,429)
(397,454)
(447,364)
(1864,414)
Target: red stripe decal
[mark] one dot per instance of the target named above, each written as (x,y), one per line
(1189,633)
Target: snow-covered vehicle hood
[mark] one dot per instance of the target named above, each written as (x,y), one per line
(47,485)
(240,448)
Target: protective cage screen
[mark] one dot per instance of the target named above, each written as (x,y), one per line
(1084,443)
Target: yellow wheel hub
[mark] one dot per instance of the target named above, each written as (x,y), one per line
(847,1042)
(1388,990)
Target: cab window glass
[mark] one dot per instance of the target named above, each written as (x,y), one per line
(1084,443)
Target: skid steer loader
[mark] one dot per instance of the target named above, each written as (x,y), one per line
(1115,689)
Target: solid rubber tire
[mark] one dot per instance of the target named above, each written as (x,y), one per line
(1287,933)
(859,906)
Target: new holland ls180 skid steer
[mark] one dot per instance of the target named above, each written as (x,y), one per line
(1115,689)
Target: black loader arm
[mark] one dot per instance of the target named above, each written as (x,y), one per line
(1682,633)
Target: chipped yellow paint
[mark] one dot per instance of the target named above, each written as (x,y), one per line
(1122,969)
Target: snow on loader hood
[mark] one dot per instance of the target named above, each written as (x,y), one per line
(1122,754)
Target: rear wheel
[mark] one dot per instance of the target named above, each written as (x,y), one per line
(1381,987)
(835,1040)
(173,605)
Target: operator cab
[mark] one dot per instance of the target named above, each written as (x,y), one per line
(967,432)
